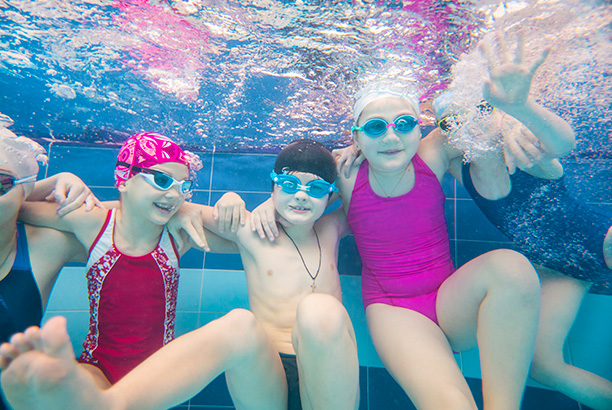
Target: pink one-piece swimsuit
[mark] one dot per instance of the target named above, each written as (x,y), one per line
(403,242)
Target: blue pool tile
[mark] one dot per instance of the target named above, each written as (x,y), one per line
(349,261)
(105,193)
(448,186)
(449,216)
(363,388)
(242,172)
(223,261)
(190,285)
(224,290)
(595,310)
(468,250)
(351,296)
(251,199)
(461,192)
(185,322)
(95,166)
(77,325)
(202,177)
(593,357)
(70,290)
(365,348)
(201,197)
(385,393)
(215,394)
(472,224)
(192,259)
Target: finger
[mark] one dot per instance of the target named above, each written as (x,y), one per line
(216,212)
(235,219)
(509,160)
(520,48)
(520,157)
(532,151)
(503,50)
(243,215)
(59,193)
(485,50)
(198,236)
(228,219)
(540,60)
(260,224)
(90,203)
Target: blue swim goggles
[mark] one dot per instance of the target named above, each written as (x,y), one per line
(377,126)
(291,184)
(8,181)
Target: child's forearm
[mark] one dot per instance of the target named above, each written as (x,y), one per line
(43,188)
(555,134)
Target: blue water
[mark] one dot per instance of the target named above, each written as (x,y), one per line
(235,80)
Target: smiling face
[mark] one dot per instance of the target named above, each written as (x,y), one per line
(299,208)
(393,150)
(152,203)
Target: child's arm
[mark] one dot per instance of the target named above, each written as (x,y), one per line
(84,224)
(68,190)
(209,228)
(508,90)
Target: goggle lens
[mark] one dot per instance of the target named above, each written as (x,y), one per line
(164,181)
(377,126)
(291,184)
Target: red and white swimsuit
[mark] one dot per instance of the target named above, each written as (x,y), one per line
(132,303)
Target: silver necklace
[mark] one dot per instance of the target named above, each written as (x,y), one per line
(396,185)
(313,286)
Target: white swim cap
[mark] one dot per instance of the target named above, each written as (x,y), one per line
(364,97)
(20,154)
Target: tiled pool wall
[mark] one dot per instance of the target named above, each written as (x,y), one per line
(213,284)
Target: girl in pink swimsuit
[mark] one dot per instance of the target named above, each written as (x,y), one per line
(420,309)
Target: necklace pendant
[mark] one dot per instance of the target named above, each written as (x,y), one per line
(313,286)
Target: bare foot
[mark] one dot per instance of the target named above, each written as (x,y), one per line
(40,372)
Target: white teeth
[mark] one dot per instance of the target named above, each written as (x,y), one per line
(165,207)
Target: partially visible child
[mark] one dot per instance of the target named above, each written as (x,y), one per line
(132,269)
(295,299)
(31,257)
(569,242)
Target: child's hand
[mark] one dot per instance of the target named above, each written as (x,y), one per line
(71,193)
(263,220)
(346,158)
(521,148)
(510,79)
(229,211)
(189,219)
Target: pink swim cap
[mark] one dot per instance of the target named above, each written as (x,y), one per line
(147,149)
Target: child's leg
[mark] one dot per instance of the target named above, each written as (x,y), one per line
(40,371)
(324,343)
(561,298)
(418,356)
(495,300)
(235,343)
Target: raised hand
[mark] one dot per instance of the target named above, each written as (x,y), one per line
(510,78)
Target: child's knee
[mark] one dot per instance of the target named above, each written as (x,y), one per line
(321,319)
(246,332)
(513,272)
